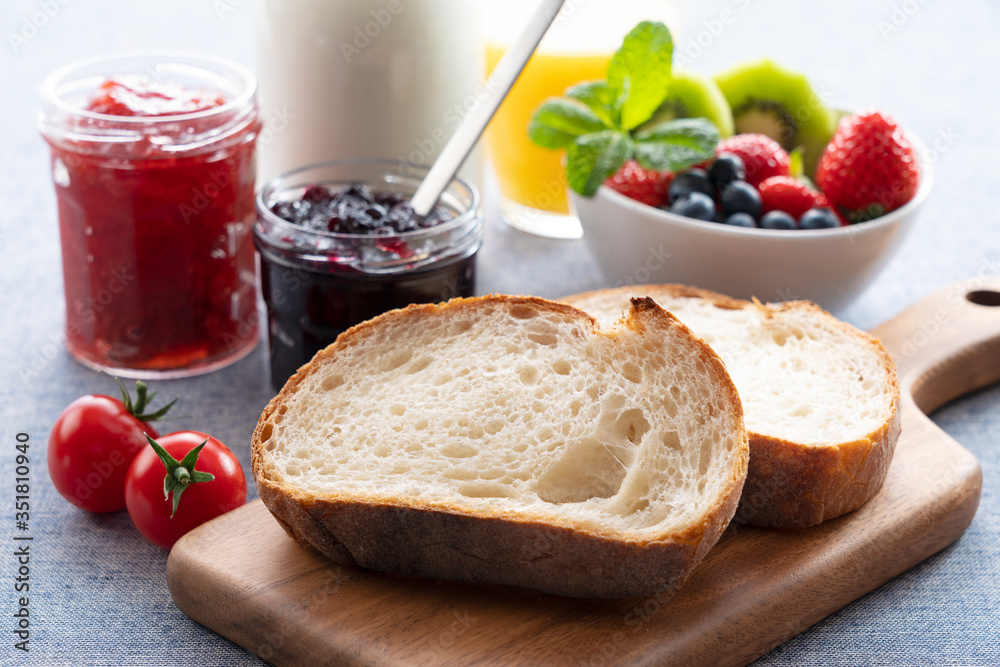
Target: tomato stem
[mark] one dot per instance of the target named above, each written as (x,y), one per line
(143,397)
(180,474)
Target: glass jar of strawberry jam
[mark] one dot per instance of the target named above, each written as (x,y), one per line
(152,156)
(339,244)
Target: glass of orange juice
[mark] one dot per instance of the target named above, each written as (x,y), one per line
(576,48)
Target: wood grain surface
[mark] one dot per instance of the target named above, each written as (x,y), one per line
(241,576)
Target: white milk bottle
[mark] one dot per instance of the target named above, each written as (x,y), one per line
(357,79)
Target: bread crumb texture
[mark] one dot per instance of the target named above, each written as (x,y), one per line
(802,375)
(519,410)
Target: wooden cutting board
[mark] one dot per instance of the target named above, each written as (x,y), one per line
(241,576)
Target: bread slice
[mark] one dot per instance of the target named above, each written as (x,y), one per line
(820,397)
(509,440)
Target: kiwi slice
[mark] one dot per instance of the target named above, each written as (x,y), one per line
(769,99)
(694,95)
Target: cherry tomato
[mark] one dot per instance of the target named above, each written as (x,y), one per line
(195,501)
(92,445)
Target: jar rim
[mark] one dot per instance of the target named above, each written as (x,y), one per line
(50,95)
(470,213)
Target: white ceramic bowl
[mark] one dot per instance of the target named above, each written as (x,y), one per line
(638,244)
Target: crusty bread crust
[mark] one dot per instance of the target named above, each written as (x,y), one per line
(792,484)
(448,541)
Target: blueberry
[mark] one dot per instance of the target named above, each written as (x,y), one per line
(741,220)
(697,205)
(694,180)
(284,210)
(741,197)
(819,218)
(777,220)
(401,219)
(315,194)
(389,199)
(358,191)
(727,168)
(301,211)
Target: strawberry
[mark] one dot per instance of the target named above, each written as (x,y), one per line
(869,167)
(762,156)
(642,185)
(784,193)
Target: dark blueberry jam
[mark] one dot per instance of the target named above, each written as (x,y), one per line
(350,254)
(307,310)
(357,210)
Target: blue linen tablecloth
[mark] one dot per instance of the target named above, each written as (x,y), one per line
(98,594)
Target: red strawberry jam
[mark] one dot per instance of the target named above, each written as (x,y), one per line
(154,183)
(138,97)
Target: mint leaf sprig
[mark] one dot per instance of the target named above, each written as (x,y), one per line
(595,122)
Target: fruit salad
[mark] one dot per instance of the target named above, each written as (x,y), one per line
(752,147)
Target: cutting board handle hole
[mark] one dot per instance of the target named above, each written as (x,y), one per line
(984,297)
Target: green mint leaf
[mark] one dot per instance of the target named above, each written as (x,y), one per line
(639,72)
(675,145)
(598,97)
(559,121)
(592,158)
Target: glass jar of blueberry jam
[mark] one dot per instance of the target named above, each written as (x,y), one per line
(152,157)
(339,244)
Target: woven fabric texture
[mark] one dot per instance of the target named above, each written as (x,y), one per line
(98,594)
